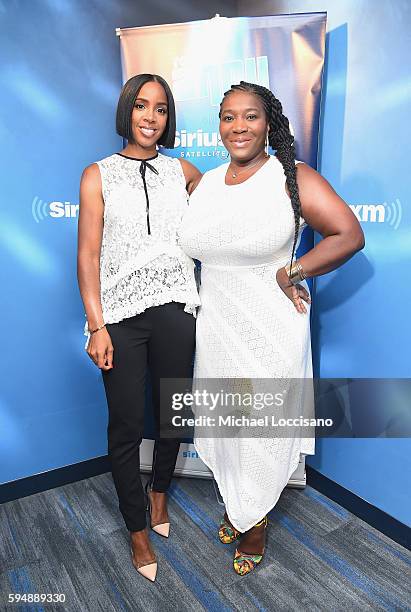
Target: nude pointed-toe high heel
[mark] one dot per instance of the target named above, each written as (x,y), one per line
(148,570)
(162,529)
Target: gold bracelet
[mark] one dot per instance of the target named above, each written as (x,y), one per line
(93,331)
(295,273)
(300,270)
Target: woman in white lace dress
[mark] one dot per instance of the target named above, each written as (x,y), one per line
(244,223)
(139,294)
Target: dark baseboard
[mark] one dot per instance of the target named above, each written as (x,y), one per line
(100,465)
(53,478)
(375,517)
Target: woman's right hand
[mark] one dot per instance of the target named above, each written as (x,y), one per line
(296,293)
(100,349)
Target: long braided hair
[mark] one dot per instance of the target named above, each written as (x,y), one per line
(281,140)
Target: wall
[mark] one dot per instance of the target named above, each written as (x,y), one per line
(60,78)
(360,318)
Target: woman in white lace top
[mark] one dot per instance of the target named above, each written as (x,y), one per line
(139,294)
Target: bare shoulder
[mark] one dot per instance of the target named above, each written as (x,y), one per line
(308,178)
(306,173)
(91,180)
(91,174)
(189,169)
(191,173)
(322,208)
(91,195)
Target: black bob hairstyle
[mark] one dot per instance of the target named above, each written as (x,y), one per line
(125,106)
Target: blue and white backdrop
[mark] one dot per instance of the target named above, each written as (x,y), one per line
(203,59)
(60,77)
(59,106)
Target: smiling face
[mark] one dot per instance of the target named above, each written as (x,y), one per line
(149,116)
(243,125)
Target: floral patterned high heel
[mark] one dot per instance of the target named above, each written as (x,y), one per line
(245,563)
(227,533)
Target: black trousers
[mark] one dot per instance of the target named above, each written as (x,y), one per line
(162,339)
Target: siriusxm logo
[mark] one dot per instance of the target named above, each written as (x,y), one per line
(194,82)
(190,454)
(41,210)
(198,139)
(379,213)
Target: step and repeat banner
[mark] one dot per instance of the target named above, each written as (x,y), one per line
(200,61)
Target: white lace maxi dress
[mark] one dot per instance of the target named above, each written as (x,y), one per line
(246,327)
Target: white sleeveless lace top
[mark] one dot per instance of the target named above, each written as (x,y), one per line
(141,264)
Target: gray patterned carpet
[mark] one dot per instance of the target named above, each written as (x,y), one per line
(319,557)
